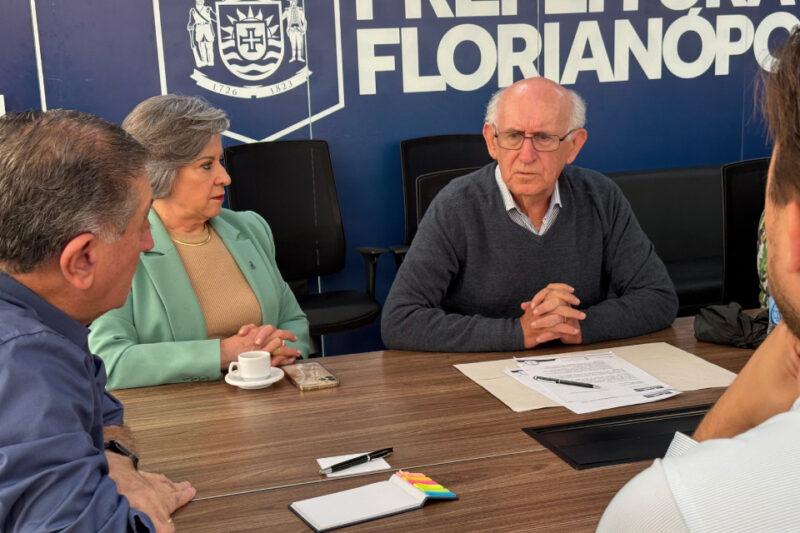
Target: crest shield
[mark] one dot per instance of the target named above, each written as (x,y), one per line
(250,37)
(251,40)
(267,45)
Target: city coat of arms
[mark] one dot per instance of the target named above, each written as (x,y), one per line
(253,38)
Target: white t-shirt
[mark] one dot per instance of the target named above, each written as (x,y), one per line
(748,483)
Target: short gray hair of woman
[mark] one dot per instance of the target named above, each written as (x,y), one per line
(174,129)
(577,118)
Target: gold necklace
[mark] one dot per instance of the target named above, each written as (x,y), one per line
(200,243)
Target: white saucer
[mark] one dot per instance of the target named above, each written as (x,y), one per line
(233,378)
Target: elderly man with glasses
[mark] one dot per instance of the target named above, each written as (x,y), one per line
(528,250)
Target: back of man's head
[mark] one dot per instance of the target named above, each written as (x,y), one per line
(783,115)
(62,173)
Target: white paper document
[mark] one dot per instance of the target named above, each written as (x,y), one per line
(360,504)
(618,382)
(680,369)
(375,465)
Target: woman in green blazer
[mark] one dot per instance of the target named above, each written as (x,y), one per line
(209,288)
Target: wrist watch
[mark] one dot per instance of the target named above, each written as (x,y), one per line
(117,447)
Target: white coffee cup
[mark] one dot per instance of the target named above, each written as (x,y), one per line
(252,365)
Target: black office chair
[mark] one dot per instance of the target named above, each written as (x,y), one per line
(291,184)
(424,155)
(743,191)
(428,186)
(680,210)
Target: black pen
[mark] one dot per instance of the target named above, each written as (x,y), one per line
(566,382)
(361,459)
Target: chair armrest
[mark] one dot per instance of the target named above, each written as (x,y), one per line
(371,251)
(370,255)
(399,254)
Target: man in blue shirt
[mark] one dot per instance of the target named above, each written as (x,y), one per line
(73,220)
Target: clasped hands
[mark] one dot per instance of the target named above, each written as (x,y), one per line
(267,338)
(550,315)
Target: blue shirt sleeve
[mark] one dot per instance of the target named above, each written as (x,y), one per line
(112,408)
(53,470)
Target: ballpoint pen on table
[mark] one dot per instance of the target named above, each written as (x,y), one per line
(361,459)
(566,382)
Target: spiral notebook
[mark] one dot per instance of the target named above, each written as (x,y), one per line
(404,491)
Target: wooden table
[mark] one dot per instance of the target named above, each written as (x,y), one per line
(251,453)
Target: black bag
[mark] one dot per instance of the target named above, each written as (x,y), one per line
(727,324)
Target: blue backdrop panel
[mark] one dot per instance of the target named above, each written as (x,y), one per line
(18,80)
(97,56)
(641,123)
(668,83)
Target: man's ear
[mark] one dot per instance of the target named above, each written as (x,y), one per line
(78,261)
(488,136)
(579,137)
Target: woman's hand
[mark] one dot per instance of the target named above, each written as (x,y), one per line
(273,340)
(266,338)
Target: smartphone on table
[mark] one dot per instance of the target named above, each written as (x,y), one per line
(310,376)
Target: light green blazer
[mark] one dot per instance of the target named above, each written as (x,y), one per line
(159,335)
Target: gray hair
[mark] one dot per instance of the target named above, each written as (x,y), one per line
(62,173)
(577,118)
(174,129)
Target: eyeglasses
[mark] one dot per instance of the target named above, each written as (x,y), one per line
(542,142)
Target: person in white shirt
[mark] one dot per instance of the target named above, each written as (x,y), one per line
(741,471)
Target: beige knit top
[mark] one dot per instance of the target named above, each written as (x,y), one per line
(225,297)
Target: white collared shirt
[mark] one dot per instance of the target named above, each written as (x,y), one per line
(742,484)
(518,216)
